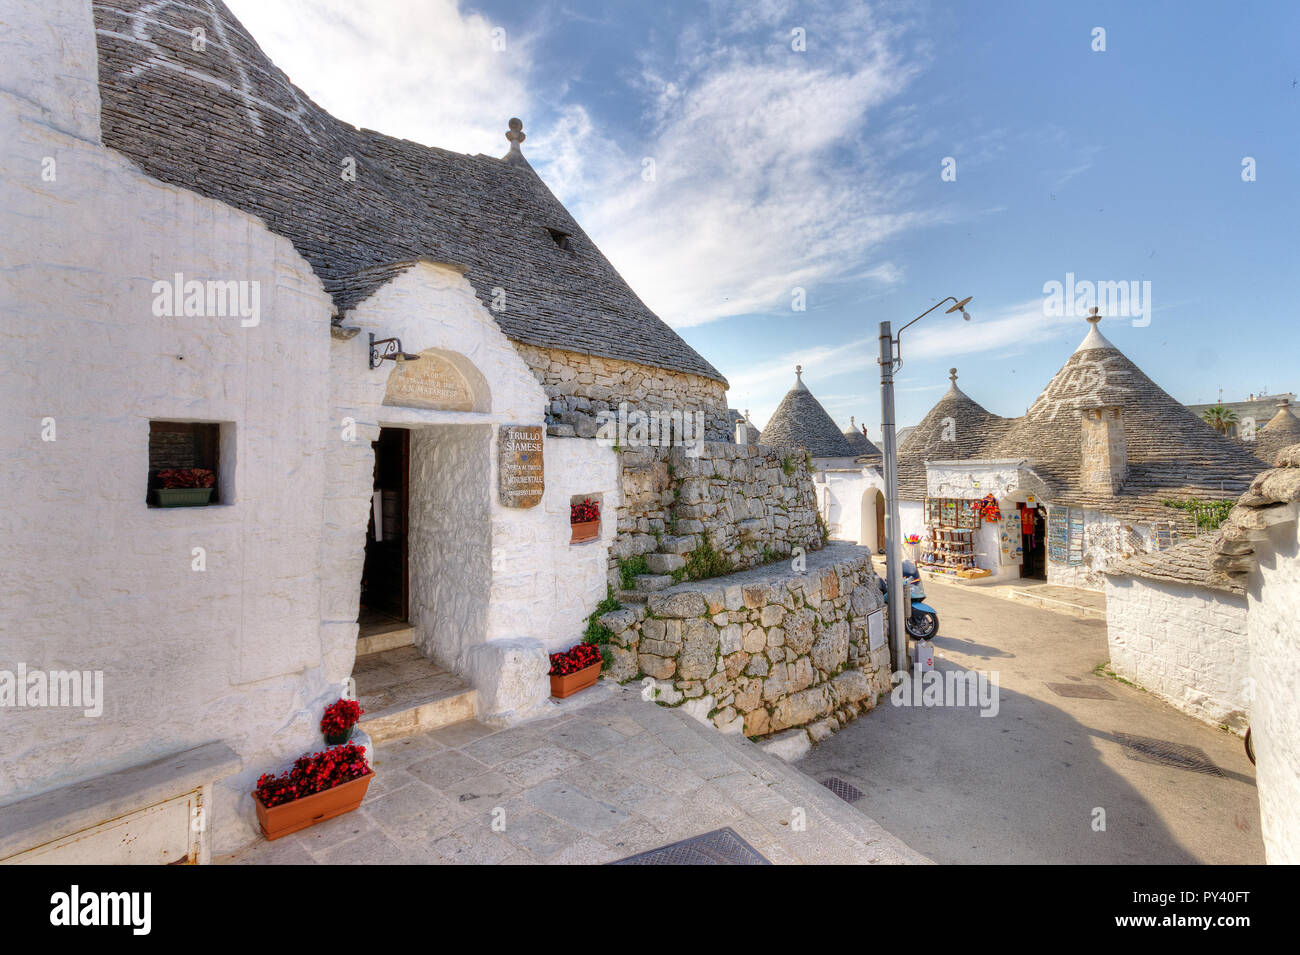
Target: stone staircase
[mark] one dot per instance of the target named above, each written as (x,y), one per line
(404,693)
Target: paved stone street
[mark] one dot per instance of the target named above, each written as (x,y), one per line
(609,777)
(1022,786)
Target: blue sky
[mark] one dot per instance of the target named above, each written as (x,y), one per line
(776,169)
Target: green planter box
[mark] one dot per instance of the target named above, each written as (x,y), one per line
(182,496)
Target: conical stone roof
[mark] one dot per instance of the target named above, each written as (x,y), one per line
(356,204)
(1171,452)
(859,441)
(801,423)
(956,428)
(1282,430)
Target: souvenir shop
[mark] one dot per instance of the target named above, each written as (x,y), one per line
(974,538)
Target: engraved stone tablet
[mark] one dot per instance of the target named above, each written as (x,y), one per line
(519,463)
(432,382)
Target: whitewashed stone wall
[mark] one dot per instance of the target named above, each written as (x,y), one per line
(1273,609)
(94,579)
(846,506)
(481,572)
(249,649)
(1185,644)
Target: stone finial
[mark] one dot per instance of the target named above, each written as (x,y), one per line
(515,134)
(798,373)
(1094,315)
(852,425)
(952,375)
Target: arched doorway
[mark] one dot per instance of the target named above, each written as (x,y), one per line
(873,520)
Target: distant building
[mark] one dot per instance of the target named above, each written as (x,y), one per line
(1251,413)
(1079,481)
(850,487)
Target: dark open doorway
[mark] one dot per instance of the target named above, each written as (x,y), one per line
(880,523)
(1033,541)
(385,586)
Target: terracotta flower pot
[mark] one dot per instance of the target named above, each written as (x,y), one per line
(585,531)
(300,813)
(562,686)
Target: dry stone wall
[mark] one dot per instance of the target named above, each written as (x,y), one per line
(579,387)
(747,503)
(761,651)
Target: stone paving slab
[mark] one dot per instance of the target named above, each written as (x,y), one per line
(606,779)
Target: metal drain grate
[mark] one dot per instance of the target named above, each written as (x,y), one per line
(1161,752)
(846,791)
(720,847)
(1081,691)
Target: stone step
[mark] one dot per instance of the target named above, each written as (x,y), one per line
(384,637)
(651,583)
(404,693)
(632,596)
(678,545)
(664,563)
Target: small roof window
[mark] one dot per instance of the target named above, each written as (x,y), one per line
(560,238)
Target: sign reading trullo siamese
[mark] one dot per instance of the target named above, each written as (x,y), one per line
(519,463)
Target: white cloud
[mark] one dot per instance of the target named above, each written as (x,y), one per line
(417,69)
(768,162)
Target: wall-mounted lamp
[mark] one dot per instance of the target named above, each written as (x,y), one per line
(388,349)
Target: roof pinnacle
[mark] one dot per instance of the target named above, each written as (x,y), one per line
(1094,316)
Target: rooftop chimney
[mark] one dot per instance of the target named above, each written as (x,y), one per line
(1104,459)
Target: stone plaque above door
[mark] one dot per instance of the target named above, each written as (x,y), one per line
(520,465)
(432,382)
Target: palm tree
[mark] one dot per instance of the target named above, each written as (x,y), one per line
(1220,418)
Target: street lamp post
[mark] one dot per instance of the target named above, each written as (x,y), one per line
(891,356)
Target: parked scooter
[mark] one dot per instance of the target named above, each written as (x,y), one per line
(923,624)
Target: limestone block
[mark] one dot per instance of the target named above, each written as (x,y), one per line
(699,655)
(623,664)
(511,677)
(799,634)
(802,707)
(851,686)
(831,649)
(677,605)
(789,746)
(661,668)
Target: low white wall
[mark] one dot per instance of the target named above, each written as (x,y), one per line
(1187,645)
(1273,595)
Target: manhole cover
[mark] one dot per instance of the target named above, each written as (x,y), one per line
(1081,691)
(1164,753)
(720,847)
(846,791)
